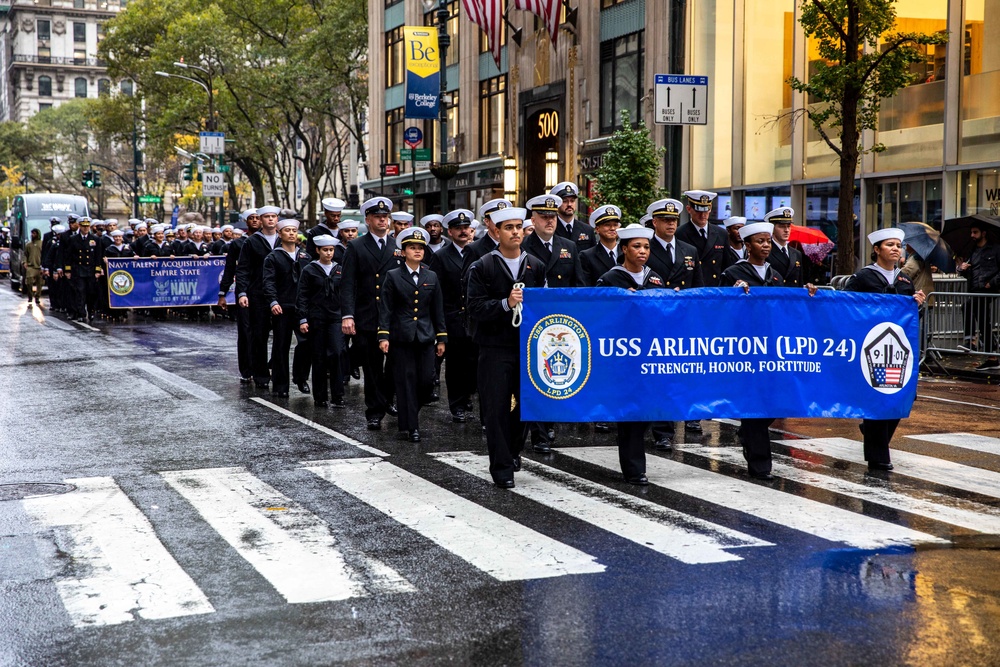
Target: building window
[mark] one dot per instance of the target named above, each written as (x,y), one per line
(80,33)
(484,45)
(100,32)
(79,56)
(431,130)
(44,54)
(621,80)
(430,19)
(393,134)
(390,3)
(44,30)
(103,87)
(81,86)
(44,86)
(44,106)
(126,87)
(394,57)
(610,3)
(492,103)
(78,4)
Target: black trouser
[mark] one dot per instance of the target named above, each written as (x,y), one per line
(243,341)
(259,316)
(413,372)
(84,294)
(499,386)
(756,441)
(663,431)
(540,433)
(326,342)
(460,371)
(878,433)
(374,365)
(631,453)
(286,327)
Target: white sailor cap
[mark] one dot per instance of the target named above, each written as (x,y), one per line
(412,235)
(141,225)
(247,213)
(606,213)
(155,228)
(191,226)
(880,235)
(288,222)
(97,222)
(226,228)
(735,220)
(215,230)
(670,208)
(84,220)
(646,220)
(634,232)
(700,200)
(433,217)
(348,224)
(544,204)
(117,232)
(238,232)
(746,231)
(528,223)
(207,229)
(377,205)
(111,221)
(170,231)
(150,221)
(457,218)
(565,189)
(134,221)
(324,240)
(503,215)
(476,224)
(59,229)
(492,206)
(268,210)
(402,216)
(778,215)
(333,204)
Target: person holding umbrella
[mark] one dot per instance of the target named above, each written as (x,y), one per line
(982,270)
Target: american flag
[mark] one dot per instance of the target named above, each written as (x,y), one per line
(488,15)
(888,374)
(548,10)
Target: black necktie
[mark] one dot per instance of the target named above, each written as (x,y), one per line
(548,246)
(415,276)
(704,234)
(611,253)
(381,244)
(670,251)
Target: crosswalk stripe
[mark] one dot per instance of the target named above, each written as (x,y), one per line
(815,518)
(289,546)
(983,519)
(498,546)
(114,568)
(177,381)
(319,427)
(973,441)
(918,466)
(667,531)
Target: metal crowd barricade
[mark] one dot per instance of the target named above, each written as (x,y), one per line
(959,323)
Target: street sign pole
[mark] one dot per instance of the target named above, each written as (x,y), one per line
(381,177)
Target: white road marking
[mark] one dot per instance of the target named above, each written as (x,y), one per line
(177,381)
(500,547)
(785,509)
(86,326)
(946,509)
(56,323)
(950,400)
(927,468)
(667,531)
(979,443)
(288,545)
(319,427)
(109,566)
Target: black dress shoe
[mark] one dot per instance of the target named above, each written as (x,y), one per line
(338,402)
(303,387)
(765,476)
(664,445)
(517,464)
(879,466)
(693,426)
(320,404)
(458,417)
(638,480)
(246,380)
(435,395)
(356,373)
(374,424)
(280,394)
(505,484)
(542,448)
(392,409)
(601,427)
(414,435)
(260,384)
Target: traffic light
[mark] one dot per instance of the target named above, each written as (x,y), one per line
(188,171)
(88,178)
(97,179)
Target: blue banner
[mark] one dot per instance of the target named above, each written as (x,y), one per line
(4,260)
(423,71)
(607,355)
(160,282)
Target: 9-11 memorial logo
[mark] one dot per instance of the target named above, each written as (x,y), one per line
(121,282)
(887,362)
(558,356)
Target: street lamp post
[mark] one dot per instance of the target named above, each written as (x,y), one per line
(444,170)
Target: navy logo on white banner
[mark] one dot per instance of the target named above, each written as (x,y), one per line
(558,356)
(887,362)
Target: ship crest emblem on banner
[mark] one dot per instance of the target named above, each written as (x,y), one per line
(558,356)
(121,282)
(887,358)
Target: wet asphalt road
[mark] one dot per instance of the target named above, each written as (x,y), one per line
(124,403)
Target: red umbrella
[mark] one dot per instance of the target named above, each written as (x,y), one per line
(806,235)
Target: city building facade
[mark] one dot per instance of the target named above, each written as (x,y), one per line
(553,109)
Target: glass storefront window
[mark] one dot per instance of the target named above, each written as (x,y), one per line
(492,115)
(980,108)
(820,160)
(979,192)
(712,56)
(769,29)
(911,123)
(909,200)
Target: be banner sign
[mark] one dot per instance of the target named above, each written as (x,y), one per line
(599,355)
(423,71)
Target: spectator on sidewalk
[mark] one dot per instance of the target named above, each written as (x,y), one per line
(982,270)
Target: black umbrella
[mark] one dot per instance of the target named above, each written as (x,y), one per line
(927,242)
(957,232)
